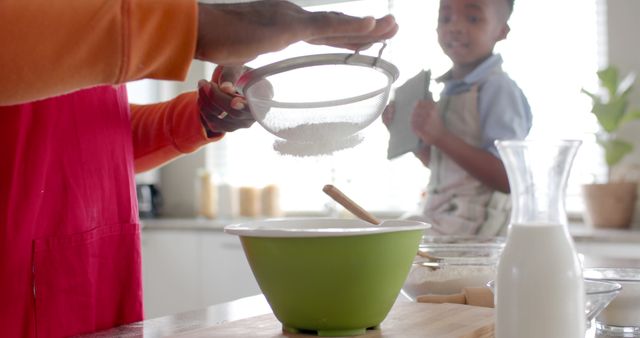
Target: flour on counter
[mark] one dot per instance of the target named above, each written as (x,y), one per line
(446,280)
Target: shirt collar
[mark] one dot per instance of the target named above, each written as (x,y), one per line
(483,70)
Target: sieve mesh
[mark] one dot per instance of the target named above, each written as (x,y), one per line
(318,98)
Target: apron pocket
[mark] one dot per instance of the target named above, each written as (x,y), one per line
(87,281)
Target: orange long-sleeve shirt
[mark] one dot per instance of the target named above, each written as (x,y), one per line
(166,130)
(56,47)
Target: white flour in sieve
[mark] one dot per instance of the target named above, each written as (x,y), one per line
(318,138)
(447,280)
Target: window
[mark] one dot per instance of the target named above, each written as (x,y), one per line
(549,58)
(552,60)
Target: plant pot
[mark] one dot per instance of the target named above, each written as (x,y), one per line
(609,205)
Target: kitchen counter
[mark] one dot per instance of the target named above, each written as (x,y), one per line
(579,231)
(190,264)
(187,223)
(583,233)
(198,323)
(247,307)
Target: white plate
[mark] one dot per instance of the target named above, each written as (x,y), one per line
(319,227)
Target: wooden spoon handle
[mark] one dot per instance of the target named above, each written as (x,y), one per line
(350,205)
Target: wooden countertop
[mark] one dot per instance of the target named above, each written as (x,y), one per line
(212,318)
(237,318)
(215,317)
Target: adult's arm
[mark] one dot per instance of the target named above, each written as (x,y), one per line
(55,47)
(164,131)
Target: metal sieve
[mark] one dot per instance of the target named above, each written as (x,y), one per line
(318,98)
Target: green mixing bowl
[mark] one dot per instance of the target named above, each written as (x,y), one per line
(333,277)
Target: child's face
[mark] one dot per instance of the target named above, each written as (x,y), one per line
(469,29)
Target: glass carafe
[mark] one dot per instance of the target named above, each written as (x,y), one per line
(539,286)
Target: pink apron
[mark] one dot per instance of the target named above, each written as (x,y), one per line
(70,259)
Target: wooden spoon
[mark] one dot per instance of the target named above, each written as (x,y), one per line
(361,213)
(349,204)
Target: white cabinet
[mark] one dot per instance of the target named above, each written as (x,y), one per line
(188,269)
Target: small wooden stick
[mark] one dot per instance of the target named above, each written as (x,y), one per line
(456,298)
(429,256)
(478,296)
(350,205)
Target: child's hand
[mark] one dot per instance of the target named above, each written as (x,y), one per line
(423,153)
(221,108)
(388,113)
(426,122)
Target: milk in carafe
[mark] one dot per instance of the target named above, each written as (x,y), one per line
(539,284)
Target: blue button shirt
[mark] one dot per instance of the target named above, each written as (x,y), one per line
(504,111)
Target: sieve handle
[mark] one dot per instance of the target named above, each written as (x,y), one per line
(376,60)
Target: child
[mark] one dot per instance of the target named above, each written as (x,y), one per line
(479,105)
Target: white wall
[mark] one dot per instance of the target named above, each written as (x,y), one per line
(624,51)
(623,40)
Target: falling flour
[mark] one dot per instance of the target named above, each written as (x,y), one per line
(318,138)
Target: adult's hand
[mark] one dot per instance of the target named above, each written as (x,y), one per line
(237,33)
(221,109)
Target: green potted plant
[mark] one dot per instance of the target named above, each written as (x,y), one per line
(611,204)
